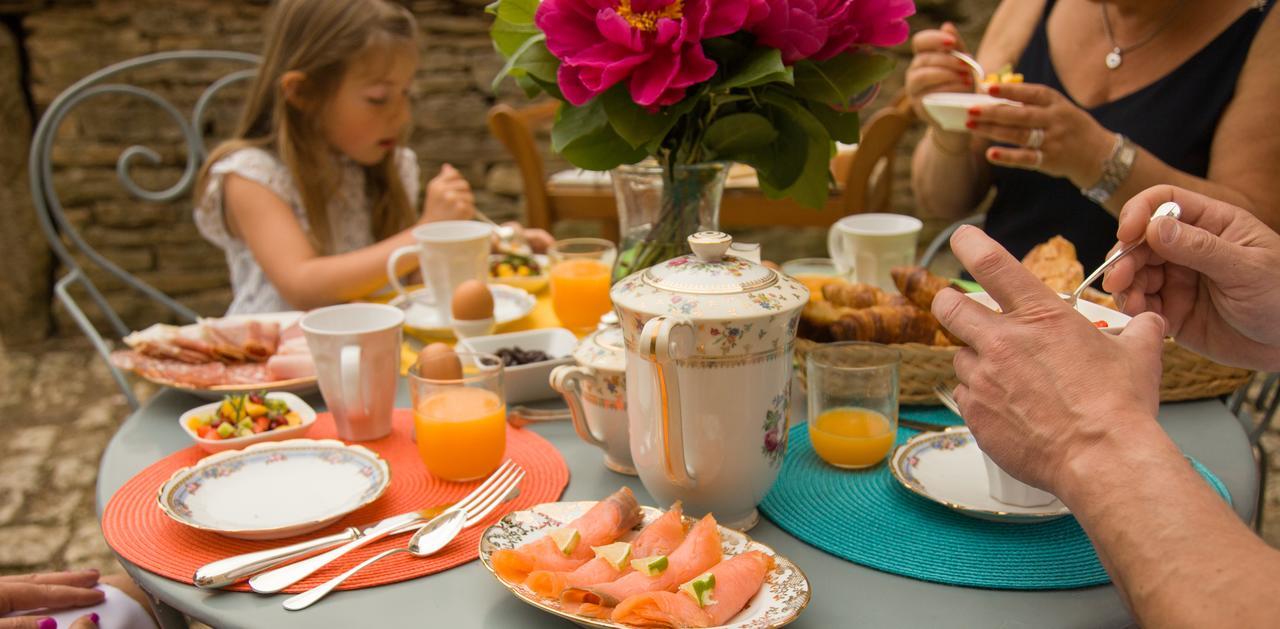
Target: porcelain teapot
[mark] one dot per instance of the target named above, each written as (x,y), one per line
(709,342)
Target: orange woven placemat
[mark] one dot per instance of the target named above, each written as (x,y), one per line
(139,531)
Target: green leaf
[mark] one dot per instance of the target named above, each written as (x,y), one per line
(809,188)
(839,79)
(573,123)
(601,149)
(513,24)
(510,67)
(841,126)
(636,124)
(739,132)
(758,66)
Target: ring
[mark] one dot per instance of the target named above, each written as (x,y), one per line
(1039,158)
(1035,139)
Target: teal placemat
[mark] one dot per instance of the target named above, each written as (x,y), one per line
(868,518)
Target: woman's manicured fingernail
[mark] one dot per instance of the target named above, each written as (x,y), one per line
(94,617)
(1168,230)
(975,112)
(949,42)
(48,623)
(972,124)
(996,154)
(993,89)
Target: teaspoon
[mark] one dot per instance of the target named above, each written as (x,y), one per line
(1168,208)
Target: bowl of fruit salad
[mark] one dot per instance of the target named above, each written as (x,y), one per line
(526,272)
(242,419)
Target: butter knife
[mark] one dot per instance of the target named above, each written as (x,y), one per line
(281,578)
(224,572)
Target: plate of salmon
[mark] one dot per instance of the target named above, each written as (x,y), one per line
(614,563)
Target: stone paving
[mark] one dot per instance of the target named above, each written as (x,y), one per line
(58,409)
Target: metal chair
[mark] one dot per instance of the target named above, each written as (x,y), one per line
(943,239)
(1256,421)
(62,234)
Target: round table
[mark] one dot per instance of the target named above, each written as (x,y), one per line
(843,593)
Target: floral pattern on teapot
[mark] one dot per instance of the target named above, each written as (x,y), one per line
(776,423)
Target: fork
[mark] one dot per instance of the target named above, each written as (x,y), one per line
(281,578)
(943,392)
(475,507)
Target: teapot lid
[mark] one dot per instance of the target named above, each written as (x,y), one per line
(708,270)
(603,349)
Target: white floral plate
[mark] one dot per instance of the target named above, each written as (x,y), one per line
(274,490)
(781,598)
(947,468)
(509,304)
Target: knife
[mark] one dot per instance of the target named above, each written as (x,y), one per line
(224,572)
(281,578)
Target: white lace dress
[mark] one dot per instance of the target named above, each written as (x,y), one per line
(251,291)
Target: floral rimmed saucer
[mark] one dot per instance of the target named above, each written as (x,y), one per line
(947,468)
(275,490)
(783,596)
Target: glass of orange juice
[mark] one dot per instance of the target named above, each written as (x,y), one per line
(461,424)
(814,273)
(580,269)
(853,402)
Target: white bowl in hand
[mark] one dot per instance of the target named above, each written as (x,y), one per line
(1010,490)
(951,109)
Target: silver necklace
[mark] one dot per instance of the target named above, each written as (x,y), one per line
(1116,56)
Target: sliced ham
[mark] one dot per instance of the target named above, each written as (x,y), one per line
(290,366)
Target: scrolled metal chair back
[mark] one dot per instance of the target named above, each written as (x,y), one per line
(62,233)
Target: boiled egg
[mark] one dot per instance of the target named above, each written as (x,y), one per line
(472,301)
(438,361)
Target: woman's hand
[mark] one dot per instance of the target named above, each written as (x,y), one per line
(1051,134)
(933,69)
(1039,384)
(449,197)
(1211,275)
(48,591)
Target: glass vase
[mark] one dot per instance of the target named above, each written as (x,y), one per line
(659,209)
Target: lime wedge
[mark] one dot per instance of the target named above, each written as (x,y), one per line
(651,566)
(701,589)
(616,553)
(566,539)
(967,286)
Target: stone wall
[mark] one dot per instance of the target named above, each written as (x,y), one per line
(53,44)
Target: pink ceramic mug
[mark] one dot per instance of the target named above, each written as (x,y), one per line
(357,354)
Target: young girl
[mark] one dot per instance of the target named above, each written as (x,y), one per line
(315,190)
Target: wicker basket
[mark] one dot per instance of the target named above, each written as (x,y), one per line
(1187,375)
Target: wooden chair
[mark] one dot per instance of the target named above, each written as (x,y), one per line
(865,177)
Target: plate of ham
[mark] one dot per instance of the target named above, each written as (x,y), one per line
(614,563)
(217,356)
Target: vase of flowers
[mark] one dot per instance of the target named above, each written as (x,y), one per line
(769,83)
(659,207)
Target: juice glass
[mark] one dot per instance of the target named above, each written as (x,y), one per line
(814,273)
(461,424)
(580,269)
(853,402)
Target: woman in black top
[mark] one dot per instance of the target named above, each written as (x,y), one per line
(1118,96)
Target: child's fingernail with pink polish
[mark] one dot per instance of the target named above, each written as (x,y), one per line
(48,623)
(94,617)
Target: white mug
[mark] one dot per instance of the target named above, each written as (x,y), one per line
(356,348)
(871,244)
(449,253)
(1009,490)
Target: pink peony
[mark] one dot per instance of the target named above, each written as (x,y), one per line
(655,45)
(791,26)
(852,23)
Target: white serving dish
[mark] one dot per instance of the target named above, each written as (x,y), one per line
(526,383)
(947,468)
(1116,321)
(296,404)
(780,600)
(951,109)
(275,490)
(509,304)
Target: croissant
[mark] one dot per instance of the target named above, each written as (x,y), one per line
(856,295)
(1054,263)
(886,324)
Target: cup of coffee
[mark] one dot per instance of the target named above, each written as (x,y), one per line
(449,253)
(1012,491)
(865,246)
(356,348)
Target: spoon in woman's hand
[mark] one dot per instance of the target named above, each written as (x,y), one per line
(978,73)
(1168,208)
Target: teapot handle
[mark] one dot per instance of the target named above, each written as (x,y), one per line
(567,381)
(664,340)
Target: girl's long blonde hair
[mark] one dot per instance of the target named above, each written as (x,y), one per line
(320,38)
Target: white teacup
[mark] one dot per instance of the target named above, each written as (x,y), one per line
(449,253)
(1012,491)
(865,246)
(356,348)
(951,109)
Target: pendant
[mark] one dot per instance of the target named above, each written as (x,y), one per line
(1113,59)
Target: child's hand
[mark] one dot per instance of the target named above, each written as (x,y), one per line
(449,197)
(539,240)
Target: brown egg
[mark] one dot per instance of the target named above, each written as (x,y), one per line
(438,361)
(472,300)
